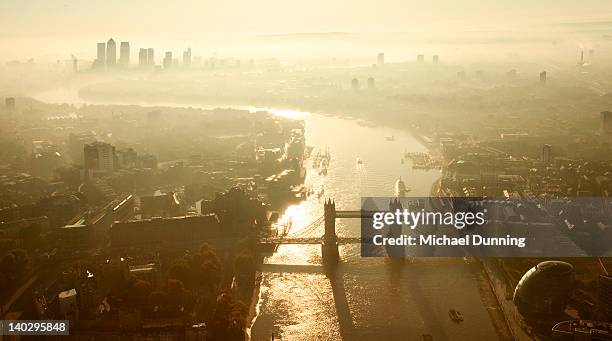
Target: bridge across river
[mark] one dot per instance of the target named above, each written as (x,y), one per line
(329,241)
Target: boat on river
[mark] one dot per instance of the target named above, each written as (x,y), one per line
(400,188)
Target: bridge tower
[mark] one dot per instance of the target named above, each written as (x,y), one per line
(329,247)
(395,251)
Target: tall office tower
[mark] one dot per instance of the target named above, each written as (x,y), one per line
(99,157)
(151,56)
(111,53)
(371,83)
(101,60)
(547,154)
(187,58)
(435,59)
(142,57)
(543,77)
(421,58)
(606,125)
(167,62)
(124,53)
(380,60)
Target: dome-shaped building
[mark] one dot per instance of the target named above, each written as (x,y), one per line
(545,289)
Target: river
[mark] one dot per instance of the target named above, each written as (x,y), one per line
(366,298)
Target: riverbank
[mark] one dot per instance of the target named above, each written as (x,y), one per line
(500,288)
(254,304)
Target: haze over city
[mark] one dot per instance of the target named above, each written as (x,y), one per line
(48,30)
(201,170)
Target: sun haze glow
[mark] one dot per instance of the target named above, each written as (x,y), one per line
(37,26)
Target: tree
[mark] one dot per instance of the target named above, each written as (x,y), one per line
(203,268)
(175,289)
(180,270)
(229,319)
(139,292)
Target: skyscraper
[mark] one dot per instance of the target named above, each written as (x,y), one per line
(543,77)
(142,57)
(421,58)
(101,59)
(435,59)
(187,58)
(111,53)
(99,156)
(124,53)
(371,83)
(167,62)
(151,56)
(381,59)
(75,64)
(547,154)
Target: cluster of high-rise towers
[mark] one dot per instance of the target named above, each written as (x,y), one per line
(107,56)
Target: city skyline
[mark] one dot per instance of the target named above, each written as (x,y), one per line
(70,24)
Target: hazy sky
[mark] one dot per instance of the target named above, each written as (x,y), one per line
(29,24)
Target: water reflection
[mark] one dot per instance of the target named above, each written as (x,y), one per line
(367,298)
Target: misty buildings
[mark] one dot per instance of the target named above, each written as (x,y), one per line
(547,154)
(147,161)
(381,59)
(126,158)
(101,56)
(371,83)
(421,58)
(581,62)
(187,58)
(142,57)
(124,53)
(543,77)
(167,62)
(111,53)
(606,125)
(355,84)
(99,157)
(107,54)
(146,57)
(151,56)
(435,59)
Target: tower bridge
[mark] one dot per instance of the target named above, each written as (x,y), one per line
(330,240)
